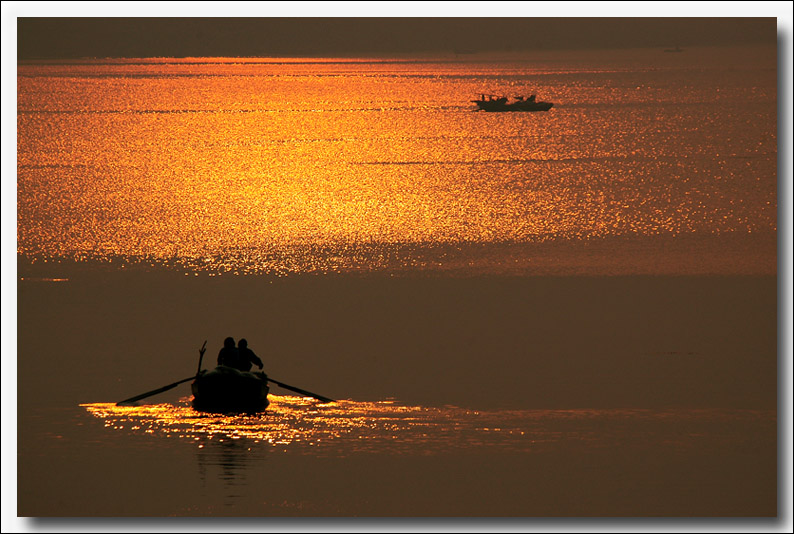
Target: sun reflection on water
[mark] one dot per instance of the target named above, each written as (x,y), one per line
(293,167)
(297,423)
(302,425)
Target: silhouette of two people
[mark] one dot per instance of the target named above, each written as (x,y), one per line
(240,357)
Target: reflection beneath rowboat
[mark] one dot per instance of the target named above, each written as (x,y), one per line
(228,461)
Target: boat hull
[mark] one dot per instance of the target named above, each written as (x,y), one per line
(227,390)
(521,105)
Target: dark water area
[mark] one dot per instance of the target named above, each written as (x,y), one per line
(717,471)
(599,396)
(479,342)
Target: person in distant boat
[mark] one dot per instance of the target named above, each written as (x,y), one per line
(247,357)
(229,355)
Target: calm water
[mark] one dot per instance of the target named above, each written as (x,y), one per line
(346,428)
(569,313)
(267,166)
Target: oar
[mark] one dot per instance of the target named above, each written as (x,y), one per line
(132,400)
(201,356)
(301,391)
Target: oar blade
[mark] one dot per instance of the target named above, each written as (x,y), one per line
(131,401)
(301,391)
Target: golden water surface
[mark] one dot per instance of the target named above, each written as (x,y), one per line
(282,166)
(302,426)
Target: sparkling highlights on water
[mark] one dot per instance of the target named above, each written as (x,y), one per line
(296,423)
(292,167)
(303,426)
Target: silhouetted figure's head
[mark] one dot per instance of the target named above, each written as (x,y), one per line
(242,343)
(228,342)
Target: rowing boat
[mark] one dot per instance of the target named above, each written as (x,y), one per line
(227,390)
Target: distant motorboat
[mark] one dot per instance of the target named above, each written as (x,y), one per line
(500,103)
(676,49)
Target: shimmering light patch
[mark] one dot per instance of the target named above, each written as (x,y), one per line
(287,166)
(346,427)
